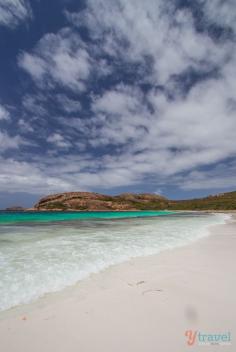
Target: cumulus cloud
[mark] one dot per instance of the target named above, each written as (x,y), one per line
(58,140)
(60,59)
(58,174)
(26,177)
(4,114)
(220,12)
(10,142)
(14,12)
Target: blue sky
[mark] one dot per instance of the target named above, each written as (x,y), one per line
(117,95)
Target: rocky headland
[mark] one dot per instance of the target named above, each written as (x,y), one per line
(89,201)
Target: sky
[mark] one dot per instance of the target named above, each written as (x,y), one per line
(117,96)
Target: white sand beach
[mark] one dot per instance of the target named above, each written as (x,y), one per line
(146,304)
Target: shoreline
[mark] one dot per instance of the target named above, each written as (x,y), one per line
(31,210)
(141,286)
(58,293)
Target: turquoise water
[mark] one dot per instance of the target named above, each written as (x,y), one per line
(40,253)
(12,217)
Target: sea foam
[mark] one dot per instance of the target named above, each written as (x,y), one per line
(39,258)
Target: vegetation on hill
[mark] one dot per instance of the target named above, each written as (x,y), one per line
(222,201)
(82,201)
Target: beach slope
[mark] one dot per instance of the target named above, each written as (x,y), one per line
(146,304)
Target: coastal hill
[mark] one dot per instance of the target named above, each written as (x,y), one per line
(221,201)
(96,201)
(15,208)
(76,201)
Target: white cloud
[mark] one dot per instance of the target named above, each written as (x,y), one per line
(122,98)
(58,140)
(61,59)
(8,142)
(25,126)
(27,177)
(13,12)
(34,104)
(135,31)
(4,114)
(120,116)
(220,12)
(58,174)
(221,176)
(34,65)
(190,131)
(67,104)
(171,137)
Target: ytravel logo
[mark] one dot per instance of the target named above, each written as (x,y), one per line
(195,337)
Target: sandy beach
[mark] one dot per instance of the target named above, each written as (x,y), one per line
(146,304)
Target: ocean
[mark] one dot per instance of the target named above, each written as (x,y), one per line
(46,252)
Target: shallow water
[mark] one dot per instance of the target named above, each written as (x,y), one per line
(39,257)
(47,216)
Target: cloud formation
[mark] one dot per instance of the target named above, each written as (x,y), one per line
(154,33)
(221,12)
(10,142)
(4,114)
(14,12)
(147,96)
(61,59)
